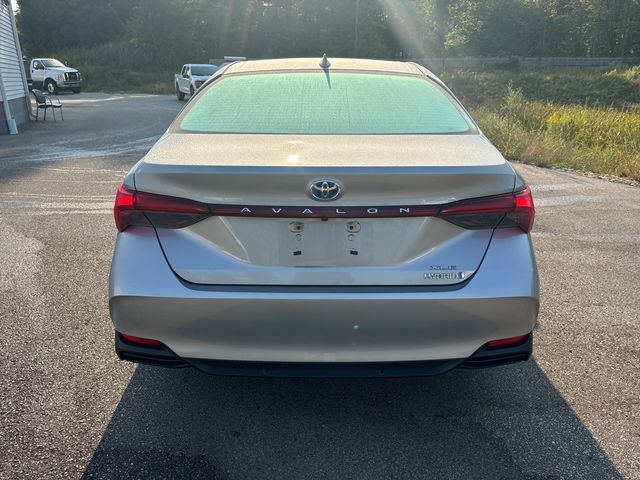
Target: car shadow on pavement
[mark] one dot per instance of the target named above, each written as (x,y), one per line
(506,422)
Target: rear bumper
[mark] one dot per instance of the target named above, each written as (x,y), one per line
(483,357)
(438,327)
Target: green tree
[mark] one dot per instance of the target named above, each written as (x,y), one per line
(49,26)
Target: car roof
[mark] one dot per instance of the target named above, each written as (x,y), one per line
(385,66)
(199,65)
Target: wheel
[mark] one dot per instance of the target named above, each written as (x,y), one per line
(51,87)
(191,91)
(76,90)
(179,94)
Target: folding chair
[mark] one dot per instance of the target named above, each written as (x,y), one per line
(46,103)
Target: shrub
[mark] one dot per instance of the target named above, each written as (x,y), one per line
(618,87)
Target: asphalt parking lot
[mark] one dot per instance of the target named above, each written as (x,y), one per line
(69,408)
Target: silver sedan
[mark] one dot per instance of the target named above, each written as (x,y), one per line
(333,217)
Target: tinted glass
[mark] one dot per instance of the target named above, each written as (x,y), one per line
(52,63)
(204,70)
(319,103)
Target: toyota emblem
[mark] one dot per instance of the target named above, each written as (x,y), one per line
(325,190)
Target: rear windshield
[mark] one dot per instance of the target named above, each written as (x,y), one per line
(203,70)
(323,103)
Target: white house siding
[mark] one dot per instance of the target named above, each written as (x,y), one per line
(10,68)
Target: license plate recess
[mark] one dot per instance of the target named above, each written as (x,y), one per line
(330,243)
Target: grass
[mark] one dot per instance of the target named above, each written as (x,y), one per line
(599,139)
(586,120)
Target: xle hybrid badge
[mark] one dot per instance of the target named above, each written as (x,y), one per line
(324,190)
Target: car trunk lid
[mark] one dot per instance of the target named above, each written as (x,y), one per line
(267,230)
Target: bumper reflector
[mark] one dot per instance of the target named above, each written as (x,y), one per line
(503,342)
(149,342)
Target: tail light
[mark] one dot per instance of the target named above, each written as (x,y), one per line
(502,211)
(147,209)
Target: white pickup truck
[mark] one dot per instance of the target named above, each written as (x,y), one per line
(191,77)
(52,75)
